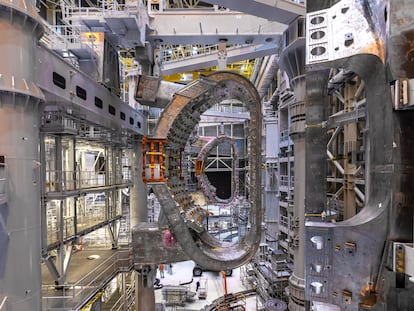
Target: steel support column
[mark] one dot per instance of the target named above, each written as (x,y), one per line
(350,147)
(296,112)
(144,290)
(292,61)
(19,144)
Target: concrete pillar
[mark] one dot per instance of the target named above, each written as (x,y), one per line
(292,61)
(19,141)
(20,99)
(144,290)
(138,193)
(299,206)
(297,133)
(317,102)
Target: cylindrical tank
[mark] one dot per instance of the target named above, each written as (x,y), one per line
(19,144)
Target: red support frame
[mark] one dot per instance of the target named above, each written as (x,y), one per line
(153,160)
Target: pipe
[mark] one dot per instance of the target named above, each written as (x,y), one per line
(335,162)
(223,275)
(359,193)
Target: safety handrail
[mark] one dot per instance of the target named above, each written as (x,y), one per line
(178,53)
(128,298)
(57,180)
(92,281)
(284,135)
(105,8)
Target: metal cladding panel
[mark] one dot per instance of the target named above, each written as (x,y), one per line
(196,89)
(20,220)
(282,11)
(401,35)
(147,88)
(20,26)
(347,28)
(209,27)
(319,263)
(66,96)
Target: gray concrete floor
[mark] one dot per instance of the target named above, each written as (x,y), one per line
(182,272)
(77,292)
(79,266)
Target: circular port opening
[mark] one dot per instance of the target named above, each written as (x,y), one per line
(319,50)
(317,20)
(318,35)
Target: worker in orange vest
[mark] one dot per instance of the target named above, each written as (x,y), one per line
(161,268)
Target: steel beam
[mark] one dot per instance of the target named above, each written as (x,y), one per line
(282,11)
(209,27)
(234,54)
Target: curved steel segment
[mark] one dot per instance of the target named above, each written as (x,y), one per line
(361,240)
(208,189)
(176,124)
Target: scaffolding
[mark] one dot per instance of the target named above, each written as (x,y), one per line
(153,160)
(176,295)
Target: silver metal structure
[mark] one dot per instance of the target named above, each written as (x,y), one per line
(176,123)
(21,101)
(361,245)
(60,92)
(208,189)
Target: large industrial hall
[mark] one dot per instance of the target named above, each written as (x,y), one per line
(215,155)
